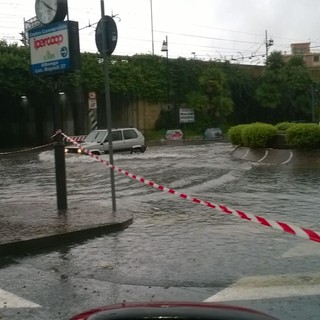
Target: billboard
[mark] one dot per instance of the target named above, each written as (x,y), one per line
(54,48)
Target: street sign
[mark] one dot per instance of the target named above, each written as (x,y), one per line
(92,95)
(92,103)
(186,115)
(54,48)
(110,33)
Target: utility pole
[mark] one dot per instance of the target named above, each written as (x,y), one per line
(268,43)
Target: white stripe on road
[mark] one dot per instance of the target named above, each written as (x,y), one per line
(10,300)
(269,287)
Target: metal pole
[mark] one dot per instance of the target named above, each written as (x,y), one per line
(167,56)
(67,11)
(59,155)
(312,102)
(108,103)
(60,167)
(266,40)
(152,27)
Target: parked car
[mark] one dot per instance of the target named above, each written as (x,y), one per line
(171,311)
(213,134)
(123,139)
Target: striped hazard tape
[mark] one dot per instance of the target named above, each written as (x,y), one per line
(282,226)
(76,138)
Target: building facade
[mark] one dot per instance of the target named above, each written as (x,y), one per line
(311,59)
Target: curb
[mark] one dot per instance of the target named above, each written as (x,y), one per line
(278,156)
(59,239)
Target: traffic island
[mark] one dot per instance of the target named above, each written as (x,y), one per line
(278,156)
(30,227)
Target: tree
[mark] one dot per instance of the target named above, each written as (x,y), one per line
(213,102)
(92,78)
(299,86)
(270,92)
(242,85)
(14,67)
(285,89)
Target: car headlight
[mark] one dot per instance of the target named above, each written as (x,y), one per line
(66,150)
(79,151)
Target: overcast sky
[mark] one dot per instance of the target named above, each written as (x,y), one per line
(205,29)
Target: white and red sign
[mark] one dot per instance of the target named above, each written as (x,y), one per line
(92,101)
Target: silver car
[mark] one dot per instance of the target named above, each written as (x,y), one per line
(213,134)
(123,139)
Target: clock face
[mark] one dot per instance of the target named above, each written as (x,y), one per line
(49,11)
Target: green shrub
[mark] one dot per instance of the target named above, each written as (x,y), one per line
(258,135)
(303,136)
(283,126)
(234,134)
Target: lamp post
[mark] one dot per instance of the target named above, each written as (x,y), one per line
(164,48)
(152,27)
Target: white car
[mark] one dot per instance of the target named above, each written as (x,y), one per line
(123,139)
(213,134)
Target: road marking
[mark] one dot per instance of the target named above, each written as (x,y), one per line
(269,287)
(289,159)
(303,249)
(10,300)
(265,155)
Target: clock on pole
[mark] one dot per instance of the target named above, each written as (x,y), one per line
(49,11)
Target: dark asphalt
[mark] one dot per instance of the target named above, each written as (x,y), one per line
(26,227)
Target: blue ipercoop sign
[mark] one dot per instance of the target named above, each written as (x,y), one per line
(55,48)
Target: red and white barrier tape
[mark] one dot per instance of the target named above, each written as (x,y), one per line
(25,150)
(76,138)
(282,226)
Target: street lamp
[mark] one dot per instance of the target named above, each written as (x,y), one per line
(164,48)
(152,27)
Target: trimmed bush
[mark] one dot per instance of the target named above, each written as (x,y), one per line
(283,126)
(258,135)
(303,136)
(234,134)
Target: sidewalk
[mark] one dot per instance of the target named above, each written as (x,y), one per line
(36,226)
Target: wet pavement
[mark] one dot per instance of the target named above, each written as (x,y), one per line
(38,225)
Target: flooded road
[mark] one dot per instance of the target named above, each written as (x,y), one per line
(175,249)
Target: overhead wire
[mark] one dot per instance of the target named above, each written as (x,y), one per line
(231,52)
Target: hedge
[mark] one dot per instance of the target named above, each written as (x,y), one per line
(235,134)
(261,135)
(303,136)
(258,135)
(283,126)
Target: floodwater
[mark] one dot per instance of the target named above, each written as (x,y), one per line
(173,243)
(204,171)
(162,220)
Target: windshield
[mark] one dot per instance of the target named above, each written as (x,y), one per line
(95,136)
